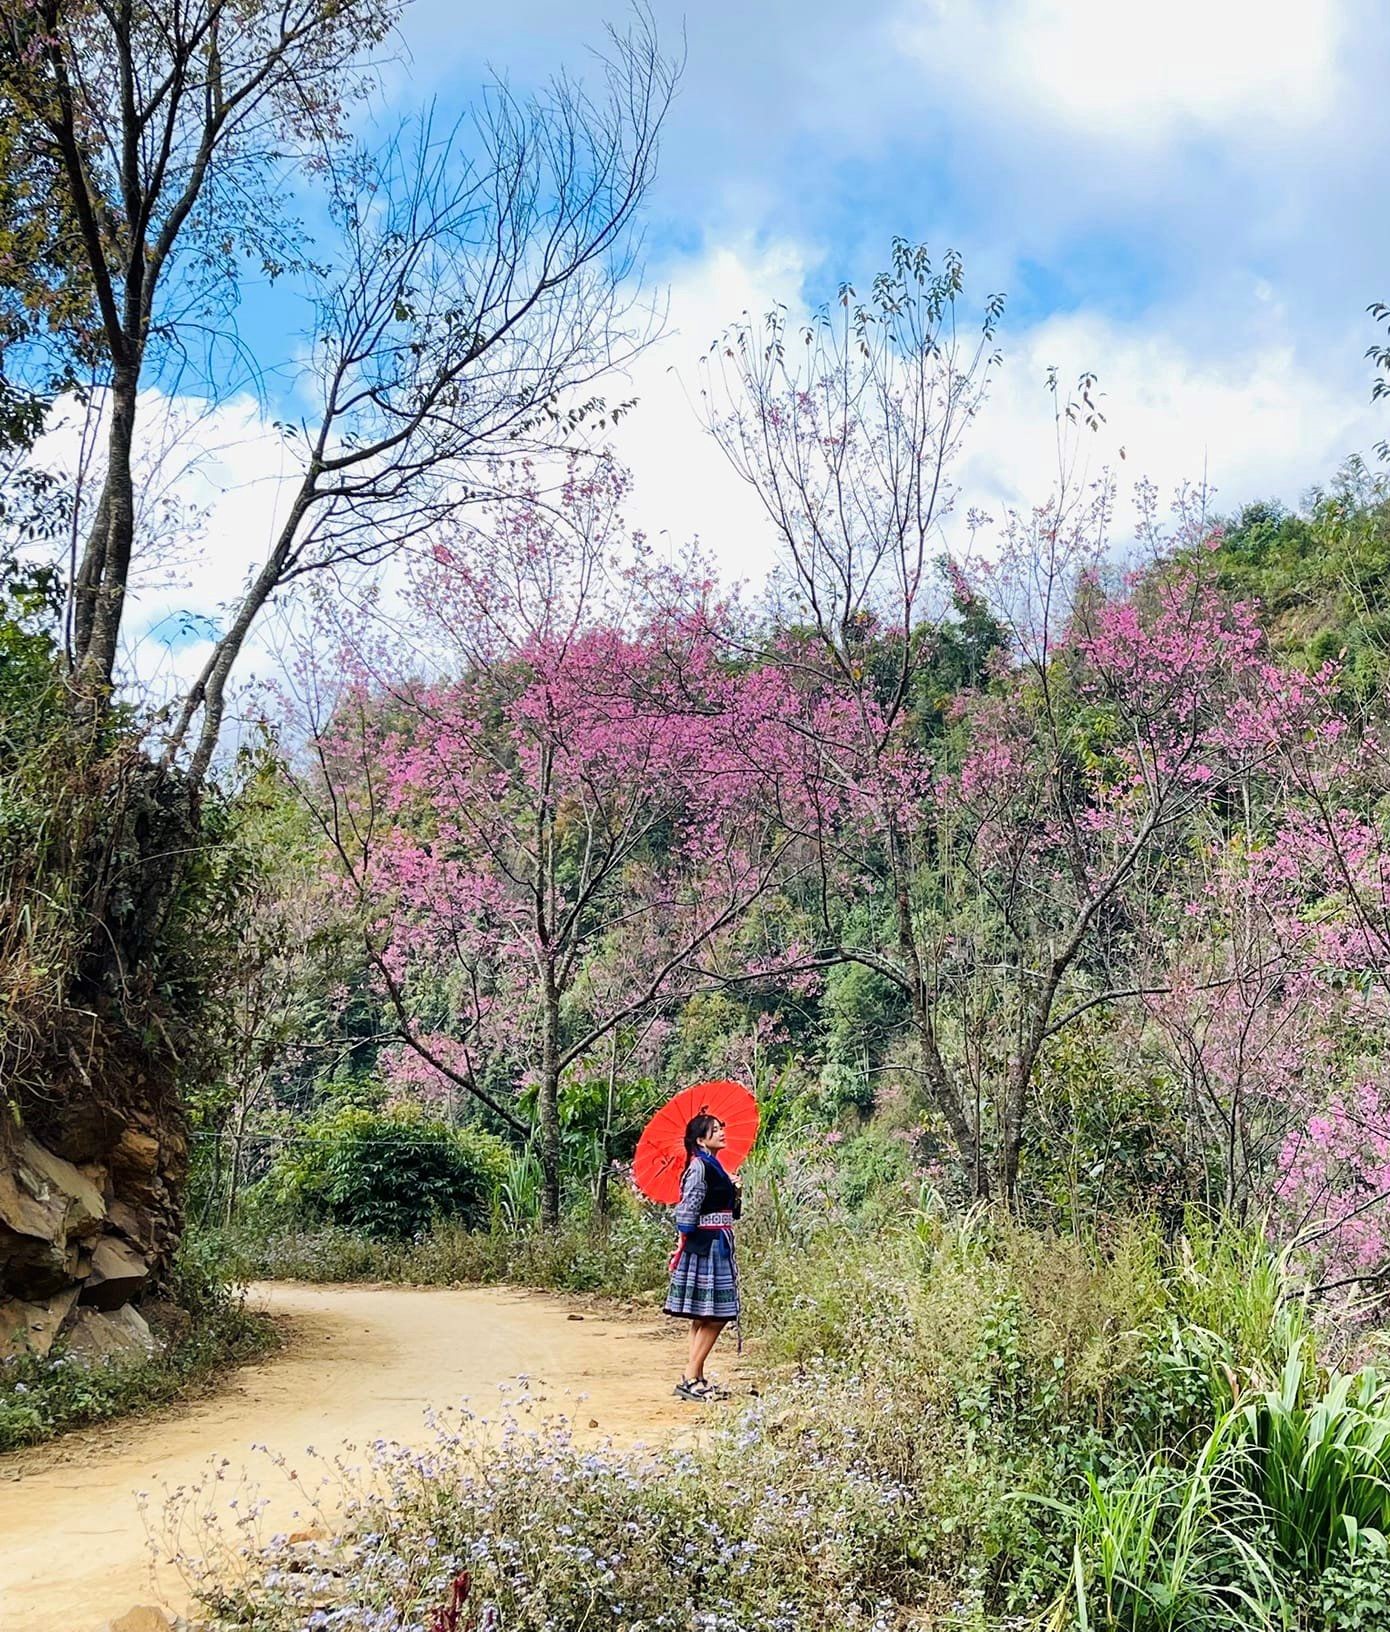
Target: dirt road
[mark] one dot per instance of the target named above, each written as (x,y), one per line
(361,1363)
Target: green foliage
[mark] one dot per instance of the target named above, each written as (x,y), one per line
(1322,577)
(1283,1507)
(600,1122)
(388,1174)
(861,1013)
(1317,1457)
(30,603)
(1109,1141)
(120,887)
(872,1166)
(705,1026)
(1353,1592)
(1166,1550)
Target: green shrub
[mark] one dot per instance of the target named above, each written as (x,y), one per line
(1353,1592)
(872,1167)
(388,1175)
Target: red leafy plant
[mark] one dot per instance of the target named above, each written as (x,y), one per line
(449,1617)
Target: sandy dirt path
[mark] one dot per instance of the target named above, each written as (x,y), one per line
(360,1363)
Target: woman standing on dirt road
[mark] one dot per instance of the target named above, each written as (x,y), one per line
(704,1270)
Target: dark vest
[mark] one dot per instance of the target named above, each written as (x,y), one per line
(721,1196)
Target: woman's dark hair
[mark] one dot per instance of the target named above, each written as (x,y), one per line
(698,1128)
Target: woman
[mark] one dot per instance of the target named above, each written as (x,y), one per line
(704,1274)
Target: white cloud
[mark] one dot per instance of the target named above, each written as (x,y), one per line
(1251,421)
(1258,423)
(212,481)
(685,487)
(1136,70)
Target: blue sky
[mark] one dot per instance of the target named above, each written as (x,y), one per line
(1187,197)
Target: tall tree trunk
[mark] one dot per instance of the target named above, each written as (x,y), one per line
(943,1090)
(1011,1136)
(965,1130)
(105,571)
(548,1103)
(234,1178)
(605,1149)
(1016,1086)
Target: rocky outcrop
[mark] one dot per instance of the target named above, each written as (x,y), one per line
(94,1337)
(32,1327)
(83,1234)
(104,1031)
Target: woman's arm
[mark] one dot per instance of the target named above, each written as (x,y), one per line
(692,1202)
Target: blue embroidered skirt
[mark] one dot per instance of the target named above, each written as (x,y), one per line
(704,1286)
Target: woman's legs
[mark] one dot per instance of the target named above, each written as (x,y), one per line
(704,1334)
(698,1354)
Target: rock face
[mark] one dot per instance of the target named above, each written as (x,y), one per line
(32,1327)
(95,1337)
(83,1232)
(103,1032)
(119,1272)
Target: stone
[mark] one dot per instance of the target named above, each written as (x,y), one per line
(30,1268)
(30,1328)
(27,1206)
(84,1204)
(132,1223)
(142,1618)
(119,1272)
(136,1151)
(96,1336)
(48,1210)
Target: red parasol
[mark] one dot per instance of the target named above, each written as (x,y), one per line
(660,1159)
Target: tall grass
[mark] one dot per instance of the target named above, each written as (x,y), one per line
(1168,1548)
(623,1258)
(1317,1458)
(1264,1528)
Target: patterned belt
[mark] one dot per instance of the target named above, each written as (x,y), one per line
(715,1221)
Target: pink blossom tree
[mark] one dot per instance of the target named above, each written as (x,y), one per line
(1333,857)
(1068,802)
(581,768)
(982,864)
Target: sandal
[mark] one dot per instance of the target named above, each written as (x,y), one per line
(700,1389)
